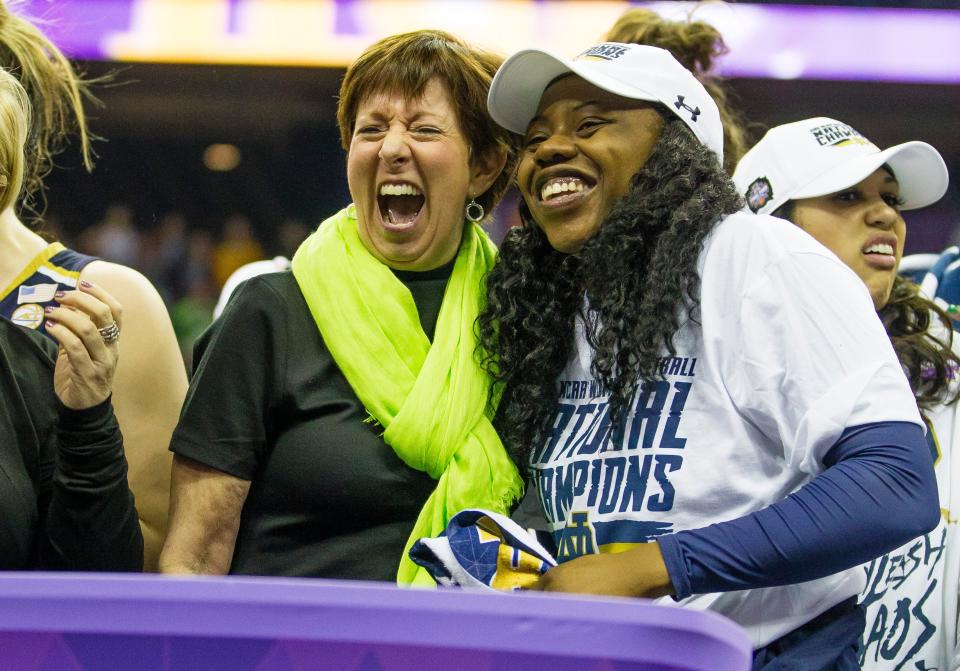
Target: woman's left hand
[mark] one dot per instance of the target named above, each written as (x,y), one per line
(84,324)
(638,572)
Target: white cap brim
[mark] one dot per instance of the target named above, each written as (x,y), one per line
(917,166)
(519,84)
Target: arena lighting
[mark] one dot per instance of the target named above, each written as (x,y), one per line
(221,157)
(768,40)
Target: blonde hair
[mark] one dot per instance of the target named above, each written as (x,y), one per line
(14,122)
(56,93)
(695,45)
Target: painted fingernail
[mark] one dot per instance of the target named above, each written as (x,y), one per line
(85,284)
(50,324)
(48,309)
(60,294)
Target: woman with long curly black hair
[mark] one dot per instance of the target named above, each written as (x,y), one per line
(846,192)
(704,398)
(537,291)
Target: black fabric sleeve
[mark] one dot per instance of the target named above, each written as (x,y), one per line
(877,492)
(90,522)
(226,418)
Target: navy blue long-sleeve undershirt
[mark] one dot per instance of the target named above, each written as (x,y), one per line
(878,491)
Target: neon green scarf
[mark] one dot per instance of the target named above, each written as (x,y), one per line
(432,400)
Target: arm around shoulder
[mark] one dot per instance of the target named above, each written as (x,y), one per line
(148,392)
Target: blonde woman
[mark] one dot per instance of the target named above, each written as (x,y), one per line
(151,381)
(65,502)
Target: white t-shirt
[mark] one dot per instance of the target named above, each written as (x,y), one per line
(911,592)
(785,352)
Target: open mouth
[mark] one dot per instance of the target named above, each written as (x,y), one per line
(879,248)
(880,254)
(564,188)
(400,204)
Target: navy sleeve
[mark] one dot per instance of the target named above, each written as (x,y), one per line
(878,491)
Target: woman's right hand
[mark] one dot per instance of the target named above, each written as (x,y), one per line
(86,325)
(638,572)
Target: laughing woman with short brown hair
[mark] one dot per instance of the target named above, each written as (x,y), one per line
(339,412)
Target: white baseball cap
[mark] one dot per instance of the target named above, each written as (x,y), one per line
(629,70)
(820,156)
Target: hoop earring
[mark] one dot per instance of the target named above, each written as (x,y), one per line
(474,211)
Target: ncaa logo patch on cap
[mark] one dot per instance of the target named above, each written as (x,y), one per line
(759,193)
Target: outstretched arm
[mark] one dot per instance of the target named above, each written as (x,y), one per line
(877,492)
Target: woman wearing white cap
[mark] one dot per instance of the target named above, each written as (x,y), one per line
(832,182)
(698,421)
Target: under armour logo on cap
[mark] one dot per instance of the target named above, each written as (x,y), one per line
(632,71)
(680,105)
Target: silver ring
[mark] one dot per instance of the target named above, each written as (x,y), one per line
(110,333)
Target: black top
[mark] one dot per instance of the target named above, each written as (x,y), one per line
(64,500)
(329,498)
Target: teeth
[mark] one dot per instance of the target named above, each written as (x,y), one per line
(879,248)
(399,190)
(560,185)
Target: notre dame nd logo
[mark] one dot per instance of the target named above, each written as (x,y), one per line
(577,538)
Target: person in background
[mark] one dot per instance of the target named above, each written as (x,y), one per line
(277,264)
(696,45)
(291,234)
(65,503)
(237,247)
(339,412)
(705,399)
(832,182)
(151,380)
(115,237)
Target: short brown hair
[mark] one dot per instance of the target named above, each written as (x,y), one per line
(404,64)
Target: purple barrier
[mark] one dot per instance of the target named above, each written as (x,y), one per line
(69,622)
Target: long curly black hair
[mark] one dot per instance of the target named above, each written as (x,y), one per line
(638,273)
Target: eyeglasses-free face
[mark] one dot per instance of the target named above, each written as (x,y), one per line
(580,152)
(863,226)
